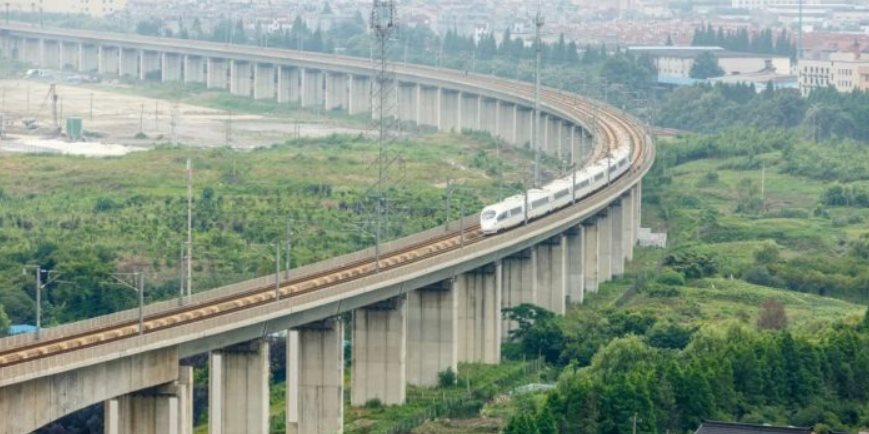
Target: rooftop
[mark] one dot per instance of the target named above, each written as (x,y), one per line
(713,427)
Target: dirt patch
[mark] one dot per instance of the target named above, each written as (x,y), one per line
(118,118)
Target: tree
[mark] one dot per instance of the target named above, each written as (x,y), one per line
(4,322)
(772,315)
(865,324)
(669,42)
(538,332)
(521,424)
(706,66)
(546,421)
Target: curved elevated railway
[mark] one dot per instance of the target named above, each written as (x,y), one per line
(611,127)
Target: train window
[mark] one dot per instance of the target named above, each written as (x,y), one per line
(562,193)
(516,211)
(582,184)
(598,177)
(503,216)
(488,215)
(539,202)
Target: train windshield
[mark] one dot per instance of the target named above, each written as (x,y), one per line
(488,215)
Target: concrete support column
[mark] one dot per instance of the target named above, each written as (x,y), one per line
(605,246)
(312,88)
(337,91)
(33,51)
(315,378)
(150,65)
(240,73)
(129,63)
(109,60)
(638,199)
(566,141)
(216,73)
(194,69)
(360,95)
(407,102)
(575,264)
(618,243)
(88,58)
(450,110)
(51,54)
(552,274)
(238,389)
(523,126)
(380,353)
(165,409)
(553,136)
(69,56)
(519,282)
(470,112)
(429,106)
(590,269)
(431,333)
(628,225)
(264,81)
(173,67)
(506,121)
(489,116)
(478,294)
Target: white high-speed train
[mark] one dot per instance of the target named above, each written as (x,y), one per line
(557,194)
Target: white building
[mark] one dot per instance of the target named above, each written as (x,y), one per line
(677,62)
(846,71)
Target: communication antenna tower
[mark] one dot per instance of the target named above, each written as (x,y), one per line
(383,23)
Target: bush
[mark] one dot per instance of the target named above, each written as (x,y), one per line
(373,404)
(670,276)
(447,378)
(760,275)
(662,292)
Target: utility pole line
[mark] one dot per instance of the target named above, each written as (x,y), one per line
(538,24)
(189,228)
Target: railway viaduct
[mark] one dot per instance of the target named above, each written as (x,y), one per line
(432,301)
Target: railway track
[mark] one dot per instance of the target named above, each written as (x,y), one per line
(611,127)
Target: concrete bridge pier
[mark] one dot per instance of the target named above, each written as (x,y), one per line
(240,78)
(109,60)
(408,102)
(470,112)
(507,122)
(431,333)
(194,69)
(575,264)
(150,65)
(566,141)
(336,91)
(605,247)
(264,81)
(552,274)
(451,110)
(629,238)
(553,132)
(216,73)
(51,54)
(238,389)
(590,269)
(129,59)
(88,58)
(489,116)
(380,353)
(359,95)
(429,106)
(166,409)
(519,277)
(478,294)
(315,378)
(618,241)
(33,51)
(312,88)
(173,67)
(523,126)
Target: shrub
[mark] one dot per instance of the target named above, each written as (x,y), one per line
(447,378)
(772,316)
(373,404)
(670,276)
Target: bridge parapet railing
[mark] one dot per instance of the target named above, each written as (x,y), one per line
(130,315)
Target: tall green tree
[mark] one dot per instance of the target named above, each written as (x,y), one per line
(706,66)
(4,322)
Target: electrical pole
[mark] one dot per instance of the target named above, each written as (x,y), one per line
(277,270)
(800,34)
(92,108)
(189,228)
(383,24)
(289,248)
(538,24)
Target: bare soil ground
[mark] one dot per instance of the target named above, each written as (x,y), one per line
(117,118)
